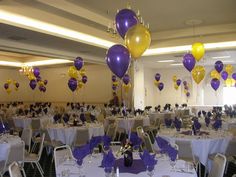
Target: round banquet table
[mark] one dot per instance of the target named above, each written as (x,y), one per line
(202,146)
(227,123)
(6,142)
(160,115)
(127,123)
(25,122)
(67,134)
(92,167)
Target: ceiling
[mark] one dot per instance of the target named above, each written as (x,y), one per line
(167,21)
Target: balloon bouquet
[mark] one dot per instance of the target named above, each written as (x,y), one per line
(36,79)
(160,85)
(118,56)
(189,61)
(218,73)
(177,82)
(74,83)
(8,84)
(186,88)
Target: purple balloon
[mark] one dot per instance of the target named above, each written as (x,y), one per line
(125,19)
(186,87)
(157,77)
(113,87)
(78,63)
(38,78)
(72,84)
(224,75)
(84,79)
(189,61)
(40,88)
(126,79)
(215,83)
(118,60)
(6,85)
(36,72)
(219,66)
(234,76)
(44,89)
(185,83)
(178,82)
(113,78)
(188,94)
(45,82)
(33,84)
(161,86)
(17,85)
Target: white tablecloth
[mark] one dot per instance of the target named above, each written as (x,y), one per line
(160,115)
(215,142)
(6,141)
(25,122)
(67,134)
(127,123)
(91,168)
(226,123)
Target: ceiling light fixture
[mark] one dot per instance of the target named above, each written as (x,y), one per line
(10,63)
(165,61)
(48,62)
(32,24)
(176,64)
(220,57)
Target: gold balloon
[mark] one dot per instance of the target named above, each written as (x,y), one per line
(126,87)
(215,74)
(137,40)
(82,72)
(115,83)
(31,77)
(198,73)
(156,83)
(16,89)
(176,87)
(185,91)
(174,78)
(41,83)
(198,50)
(9,81)
(80,84)
(8,91)
(229,69)
(228,82)
(233,82)
(72,72)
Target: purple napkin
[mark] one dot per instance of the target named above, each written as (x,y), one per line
(94,142)
(207,121)
(81,152)
(196,124)
(148,160)
(3,127)
(82,117)
(217,124)
(106,141)
(161,142)
(172,152)
(168,122)
(66,118)
(177,124)
(92,117)
(135,140)
(108,161)
(56,117)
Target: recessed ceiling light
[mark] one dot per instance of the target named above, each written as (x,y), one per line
(165,61)
(220,57)
(10,63)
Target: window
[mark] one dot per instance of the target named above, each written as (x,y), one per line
(229,95)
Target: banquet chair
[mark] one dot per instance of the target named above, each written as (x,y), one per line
(147,143)
(185,153)
(81,138)
(34,158)
(153,129)
(87,117)
(14,170)
(26,136)
(35,125)
(112,130)
(137,123)
(218,166)
(100,118)
(12,126)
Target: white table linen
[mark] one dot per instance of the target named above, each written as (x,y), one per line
(160,115)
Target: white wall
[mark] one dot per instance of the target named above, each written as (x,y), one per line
(201,94)
(96,90)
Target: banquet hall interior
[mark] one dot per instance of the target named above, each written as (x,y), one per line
(117,88)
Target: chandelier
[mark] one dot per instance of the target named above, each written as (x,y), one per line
(26,70)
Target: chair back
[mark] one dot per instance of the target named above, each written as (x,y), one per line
(11,123)
(231,149)
(47,137)
(87,117)
(14,170)
(140,131)
(41,146)
(26,136)
(82,137)
(185,150)
(137,123)
(111,131)
(35,124)
(218,166)
(147,143)
(100,118)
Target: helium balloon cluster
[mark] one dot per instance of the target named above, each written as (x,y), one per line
(160,85)
(126,83)
(77,75)
(189,61)
(130,29)
(186,88)
(177,82)
(8,83)
(218,73)
(36,79)
(115,83)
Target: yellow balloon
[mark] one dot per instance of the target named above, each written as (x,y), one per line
(215,74)
(9,81)
(233,82)
(80,84)
(198,50)
(115,83)
(8,90)
(156,82)
(137,40)
(31,77)
(16,89)
(198,73)
(82,72)
(176,87)
(174,78)
(228,82)
(41,83)
(72,72)
(126,87)
(229,69)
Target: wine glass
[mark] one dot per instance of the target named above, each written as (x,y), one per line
(172,163)
(150,171)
